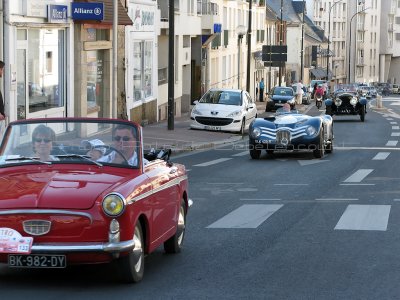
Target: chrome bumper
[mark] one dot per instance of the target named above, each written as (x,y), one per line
(84,247)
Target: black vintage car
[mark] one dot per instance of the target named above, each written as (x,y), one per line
(346,100)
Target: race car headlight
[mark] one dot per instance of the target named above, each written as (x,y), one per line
(195,111)
(338,102)
(113,205)
(255,132)
(353,101)
(234,114)
(311,130)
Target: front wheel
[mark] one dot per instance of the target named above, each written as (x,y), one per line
(362,113)
(132,265)
(255,154)
(174,243)
(319,151)
(319,103)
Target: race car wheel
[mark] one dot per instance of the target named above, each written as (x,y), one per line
(362,113)
(319,151)
(132,265)
(255,154)
(174,243)
(329,111)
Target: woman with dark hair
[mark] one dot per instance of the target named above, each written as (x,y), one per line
(42,142)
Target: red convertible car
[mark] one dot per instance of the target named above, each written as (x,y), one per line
(79,191)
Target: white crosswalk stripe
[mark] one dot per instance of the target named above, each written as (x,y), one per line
(381,156)
(212,162)
(247,216)
(364,217)
(359,175)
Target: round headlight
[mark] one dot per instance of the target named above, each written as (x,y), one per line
(255,132)
(311,130)
(338,102)
(113,205)
(353,101)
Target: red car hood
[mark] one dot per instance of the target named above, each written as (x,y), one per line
(53,188)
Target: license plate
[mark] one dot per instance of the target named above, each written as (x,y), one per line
(213,127)
(37,261)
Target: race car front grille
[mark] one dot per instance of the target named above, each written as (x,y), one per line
(283,137)
(214,121)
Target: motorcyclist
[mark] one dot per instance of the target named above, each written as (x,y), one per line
(319,93)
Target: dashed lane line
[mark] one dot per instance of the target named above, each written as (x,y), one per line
(213,162)
(358,176)
(381,156)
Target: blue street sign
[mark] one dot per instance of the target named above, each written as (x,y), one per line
(87,11)
(57,13)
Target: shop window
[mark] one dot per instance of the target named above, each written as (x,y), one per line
(95,80)
(45,68)
(142,70)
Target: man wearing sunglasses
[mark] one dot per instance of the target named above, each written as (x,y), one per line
(124,139)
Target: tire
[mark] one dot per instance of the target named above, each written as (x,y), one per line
(255,154)
(174,244)
(132,266)
(242,127)
(318,104)
(319,152)
(328,111)
(362,113)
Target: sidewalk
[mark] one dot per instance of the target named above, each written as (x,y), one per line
(183,139)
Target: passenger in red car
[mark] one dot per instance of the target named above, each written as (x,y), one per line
(42,141)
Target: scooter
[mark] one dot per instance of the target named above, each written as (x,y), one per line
(318,101)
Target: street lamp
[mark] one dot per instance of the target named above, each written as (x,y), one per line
(351,19)
(241,30)
(329,37)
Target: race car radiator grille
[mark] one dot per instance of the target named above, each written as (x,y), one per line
(214,121)
(283,137)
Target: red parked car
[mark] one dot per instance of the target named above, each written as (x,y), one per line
(79,191)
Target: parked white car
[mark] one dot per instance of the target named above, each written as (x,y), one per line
(225,110)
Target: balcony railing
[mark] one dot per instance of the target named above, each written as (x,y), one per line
(205,7)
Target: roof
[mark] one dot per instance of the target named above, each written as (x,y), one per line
(123,18)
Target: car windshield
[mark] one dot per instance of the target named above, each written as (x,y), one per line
(61,141)
(340,88)
(281,91)
(222,97)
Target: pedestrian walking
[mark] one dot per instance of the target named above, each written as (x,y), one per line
(299,92)
(261,89)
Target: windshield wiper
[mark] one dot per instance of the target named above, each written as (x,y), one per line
(28,158)
(80,156)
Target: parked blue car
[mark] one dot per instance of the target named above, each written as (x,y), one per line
(280,95)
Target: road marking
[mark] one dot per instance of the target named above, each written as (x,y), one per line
(260,199)
(285,184)
(391,143)
(213,162)
(247,216)
(336,199)
(365,148)
(395,127)
(389,119)
(357,184)
(381,156)
(311,162)
(393,123)
(359,175)
(395,134)
(241,153)
(364,217)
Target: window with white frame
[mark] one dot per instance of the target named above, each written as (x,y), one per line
(142,70)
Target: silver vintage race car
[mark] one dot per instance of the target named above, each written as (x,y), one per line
(291,131)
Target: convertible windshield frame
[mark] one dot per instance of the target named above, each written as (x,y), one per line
(72,141)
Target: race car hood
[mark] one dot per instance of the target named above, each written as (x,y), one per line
(216,110)
(53,189)
(286,120)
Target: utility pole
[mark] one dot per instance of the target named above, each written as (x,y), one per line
(171,65)
(249,48)
(302,45)
(281,43)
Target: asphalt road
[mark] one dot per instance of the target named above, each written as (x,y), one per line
(286,226)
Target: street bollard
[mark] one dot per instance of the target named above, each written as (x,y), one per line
(379,101)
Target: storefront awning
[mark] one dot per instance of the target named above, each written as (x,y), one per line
(123,18)
(320,73)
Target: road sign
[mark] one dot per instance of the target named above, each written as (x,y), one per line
(274,57)
(274,52)
(274,63)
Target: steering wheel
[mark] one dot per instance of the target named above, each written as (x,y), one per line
(111,148)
